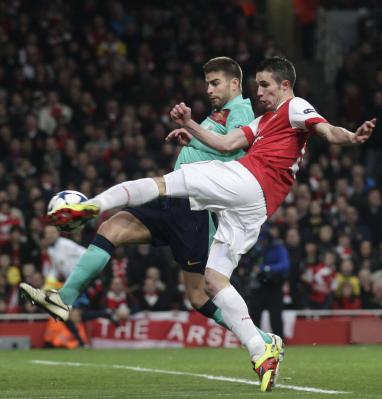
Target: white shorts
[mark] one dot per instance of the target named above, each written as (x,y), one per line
(233,192)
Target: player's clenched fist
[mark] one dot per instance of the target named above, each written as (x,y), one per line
(181,114)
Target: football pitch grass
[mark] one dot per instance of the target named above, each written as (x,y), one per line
(307,372)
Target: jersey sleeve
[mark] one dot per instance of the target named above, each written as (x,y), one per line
(302,115)
(239,117)
(250,130)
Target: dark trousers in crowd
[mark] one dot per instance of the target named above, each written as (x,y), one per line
(268,297)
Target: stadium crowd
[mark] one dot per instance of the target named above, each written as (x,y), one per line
(85,93)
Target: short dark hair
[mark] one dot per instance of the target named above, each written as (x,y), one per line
(281,68)
(225,64)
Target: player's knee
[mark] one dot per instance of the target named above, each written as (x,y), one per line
(115,229)
(124,228)
(214,282)
(210,287)
(107,229)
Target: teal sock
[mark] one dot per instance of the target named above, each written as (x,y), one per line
(217,316)
(219,319)
(267,339)
(90,264)
(210,310)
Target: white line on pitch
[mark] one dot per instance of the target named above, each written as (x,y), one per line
(171,372)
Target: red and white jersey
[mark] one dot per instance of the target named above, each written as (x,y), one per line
(277,142)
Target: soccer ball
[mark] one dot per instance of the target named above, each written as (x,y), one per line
(67,197)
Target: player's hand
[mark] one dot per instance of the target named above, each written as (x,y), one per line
(181,114)
(182,135)
(364,132)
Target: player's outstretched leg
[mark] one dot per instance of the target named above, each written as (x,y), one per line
(264,350)
(129,193)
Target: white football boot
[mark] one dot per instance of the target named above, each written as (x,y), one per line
(49,300)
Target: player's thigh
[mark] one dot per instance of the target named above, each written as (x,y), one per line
(195,288)
(217,185)
(125,228)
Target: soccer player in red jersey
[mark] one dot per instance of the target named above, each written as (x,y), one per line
(243,193)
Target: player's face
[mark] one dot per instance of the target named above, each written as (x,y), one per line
(219,88)
(270,92)
(50,234)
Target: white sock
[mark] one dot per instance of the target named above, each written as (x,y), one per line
(235,315)
(129,193)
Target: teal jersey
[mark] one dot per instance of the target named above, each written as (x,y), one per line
(235,114)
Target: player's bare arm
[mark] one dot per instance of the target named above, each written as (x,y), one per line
(232,141)
(340,135)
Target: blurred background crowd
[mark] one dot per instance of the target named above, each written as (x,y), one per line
(85,93)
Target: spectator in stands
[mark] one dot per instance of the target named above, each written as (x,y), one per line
(325,239)
(347,274)
(294,247)
(119,265)
(53,114)
(302,202)
(8,219)
(154,273)
(373,214)
(310,254)
(267,279)
(320,279)
(352,226)
(346,298)
(151,298)
(344,248)
(366,296)
(286,219)
(116,296)
(366,255)
(325,195)
(338,211)
(314,220)
(17,247)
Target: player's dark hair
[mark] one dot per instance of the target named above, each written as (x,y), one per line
(225,64)
(281,68)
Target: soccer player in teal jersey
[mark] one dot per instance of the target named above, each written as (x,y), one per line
(170,221)
(230,111)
